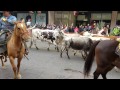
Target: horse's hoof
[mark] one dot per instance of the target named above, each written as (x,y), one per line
(19,76)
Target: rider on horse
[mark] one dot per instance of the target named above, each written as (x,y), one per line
(7,22)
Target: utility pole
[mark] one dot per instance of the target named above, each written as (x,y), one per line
(113,19)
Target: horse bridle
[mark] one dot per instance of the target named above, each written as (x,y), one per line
(23,34)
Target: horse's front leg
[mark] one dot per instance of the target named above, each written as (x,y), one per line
(13,66)
(18,68)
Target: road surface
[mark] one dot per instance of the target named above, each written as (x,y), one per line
(45,64)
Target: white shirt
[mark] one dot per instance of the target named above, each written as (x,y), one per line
(100,32)
(28,23)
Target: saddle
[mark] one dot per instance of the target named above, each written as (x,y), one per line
(3,40)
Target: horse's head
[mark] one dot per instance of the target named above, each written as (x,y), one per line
(21,31)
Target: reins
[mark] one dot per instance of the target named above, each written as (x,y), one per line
(22,41)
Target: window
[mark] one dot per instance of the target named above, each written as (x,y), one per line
(24,15)
(41,19)
(64,17)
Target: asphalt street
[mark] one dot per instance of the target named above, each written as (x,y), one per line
(43,64)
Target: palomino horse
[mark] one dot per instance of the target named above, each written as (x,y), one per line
(106,59)
(15,47)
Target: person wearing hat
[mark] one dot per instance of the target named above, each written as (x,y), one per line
(7,21)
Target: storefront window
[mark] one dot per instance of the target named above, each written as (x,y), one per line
(64,17)
(118,19)
(24,15)
(41,19)
(101,19)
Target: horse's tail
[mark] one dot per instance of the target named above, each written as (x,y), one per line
(90,58)
(90,42)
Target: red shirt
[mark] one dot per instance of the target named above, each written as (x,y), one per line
(76,30)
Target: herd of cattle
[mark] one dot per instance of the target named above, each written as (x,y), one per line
(64,41)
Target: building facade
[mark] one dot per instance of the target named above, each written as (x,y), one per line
(101,17)
(61,17)
(84,17)
(36,18)
(68,17)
